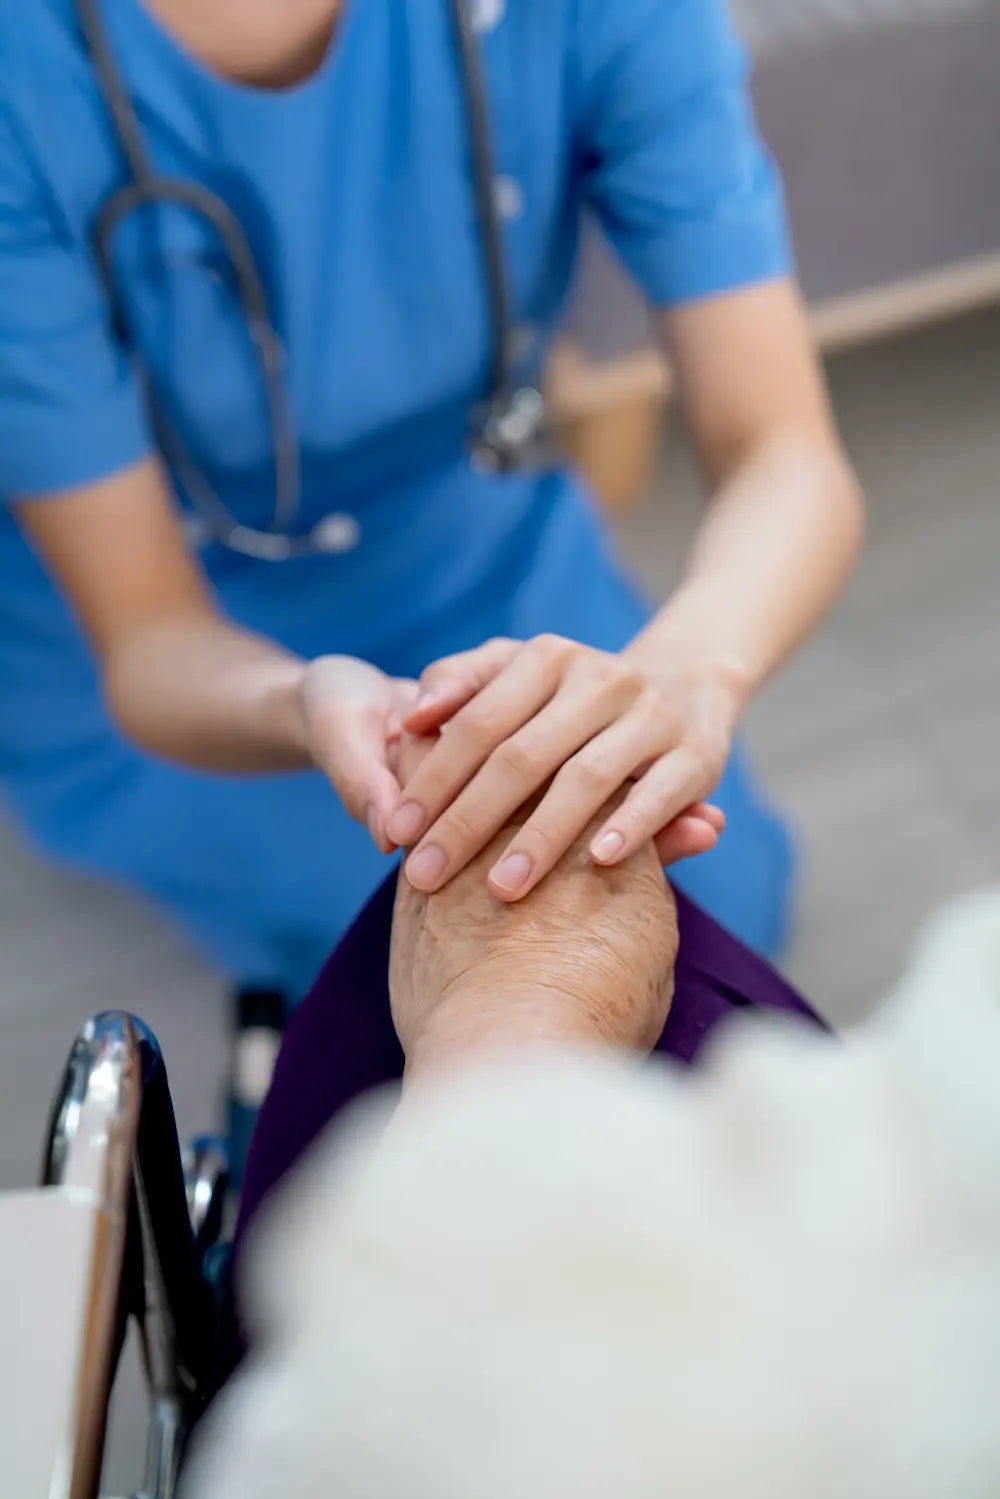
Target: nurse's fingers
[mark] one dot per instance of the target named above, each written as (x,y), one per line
(454,681)
(670,786)
(496,713)
(707,812)
(519,767)
(585,783)
(404,694)
(685,838)
(353,712)
(357,765)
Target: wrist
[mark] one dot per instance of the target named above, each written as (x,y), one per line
(683,642)
(282,724)
(478,1019)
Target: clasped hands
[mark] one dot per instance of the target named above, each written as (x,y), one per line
(587,959)
(511,719)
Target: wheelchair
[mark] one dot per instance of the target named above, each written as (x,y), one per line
(158,1257)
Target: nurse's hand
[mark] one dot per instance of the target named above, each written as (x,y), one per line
(515,715)
(354,715)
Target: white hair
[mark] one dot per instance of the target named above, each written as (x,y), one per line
(579,1279)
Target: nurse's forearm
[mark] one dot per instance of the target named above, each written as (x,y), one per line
(179,679)
(199,691)
(785,523)
(773,553)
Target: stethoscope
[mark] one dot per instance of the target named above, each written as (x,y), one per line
(510,431)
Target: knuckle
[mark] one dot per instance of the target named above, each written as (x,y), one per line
(625,685)
(703,751)
(594,667)
(642,819)
(552,650)
(632,681)
(519,757)
(460,828)
(687,782)
(656,716)
(476,728)
(590,775)
(440,682)
(541,841)
(612,677)
(441,670)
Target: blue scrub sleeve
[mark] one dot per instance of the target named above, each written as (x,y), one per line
(674,166)
(69,411)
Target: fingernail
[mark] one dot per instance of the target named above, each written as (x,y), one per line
(512,874)
(374,823)
(425,869)
(607,848)
(405,824)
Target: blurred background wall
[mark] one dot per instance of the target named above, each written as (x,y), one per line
(884,116)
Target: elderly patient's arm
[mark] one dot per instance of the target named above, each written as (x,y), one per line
(586,958)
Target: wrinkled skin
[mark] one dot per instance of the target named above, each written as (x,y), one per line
(585,958)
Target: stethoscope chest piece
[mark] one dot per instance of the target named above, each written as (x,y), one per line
(336,535)
(486,14)
(513,435)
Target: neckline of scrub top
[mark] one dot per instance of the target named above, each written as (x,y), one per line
(240,89)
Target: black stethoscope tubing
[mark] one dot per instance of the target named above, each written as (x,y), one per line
(511,420)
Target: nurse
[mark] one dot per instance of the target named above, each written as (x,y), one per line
(257,431)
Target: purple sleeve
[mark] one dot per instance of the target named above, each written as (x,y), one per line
(715,976)
(341,1042)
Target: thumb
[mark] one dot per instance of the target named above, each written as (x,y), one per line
(453,681)
(348,705)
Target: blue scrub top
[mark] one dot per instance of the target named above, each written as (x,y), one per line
(356,193)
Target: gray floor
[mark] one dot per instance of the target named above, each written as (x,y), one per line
(882,741)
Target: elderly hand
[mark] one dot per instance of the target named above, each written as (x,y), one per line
(515,716)
(588,957)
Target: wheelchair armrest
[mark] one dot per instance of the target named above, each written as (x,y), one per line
(113,1131)
(58,1289)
